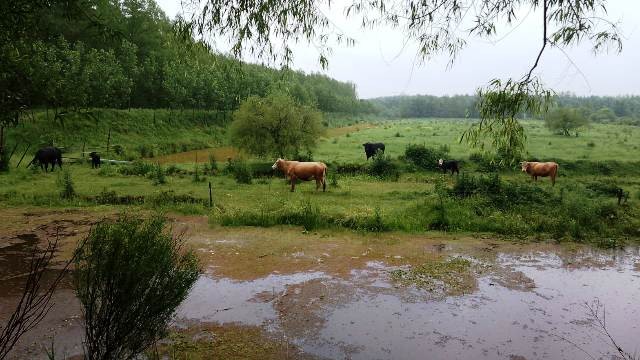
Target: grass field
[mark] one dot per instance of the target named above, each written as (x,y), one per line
(599,142)
(580,206)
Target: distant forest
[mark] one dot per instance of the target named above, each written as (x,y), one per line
(127,54)
(624,109)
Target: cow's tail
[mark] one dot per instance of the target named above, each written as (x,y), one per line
(324,177)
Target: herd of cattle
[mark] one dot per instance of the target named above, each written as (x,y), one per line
(312,170)
(315,170)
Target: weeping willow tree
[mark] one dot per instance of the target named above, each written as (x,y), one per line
(268,28)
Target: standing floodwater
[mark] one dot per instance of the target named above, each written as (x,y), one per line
(524,306)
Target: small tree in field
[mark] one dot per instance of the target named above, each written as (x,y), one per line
(275,125)
(564,120)
(130,277)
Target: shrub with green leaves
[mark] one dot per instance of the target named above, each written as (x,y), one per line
(130,276)
(67,190)
(425,157)
(139,168)
(239,170)
(157,175)
(382,167)
(212,166)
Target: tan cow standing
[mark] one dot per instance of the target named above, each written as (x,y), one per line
(304,171)
(542,169)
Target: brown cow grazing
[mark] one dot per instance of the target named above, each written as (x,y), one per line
(542,169)
(304,171)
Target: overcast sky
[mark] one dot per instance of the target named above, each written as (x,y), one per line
(380,65)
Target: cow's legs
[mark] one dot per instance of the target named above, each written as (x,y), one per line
(318,183)
(293,183)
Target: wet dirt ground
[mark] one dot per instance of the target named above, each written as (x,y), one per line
(281,293)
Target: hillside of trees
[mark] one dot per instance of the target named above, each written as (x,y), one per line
(126,54)
(603,109)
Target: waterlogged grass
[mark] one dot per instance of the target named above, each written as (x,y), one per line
(224,342)
(451,276)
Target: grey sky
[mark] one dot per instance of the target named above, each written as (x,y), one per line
(380,65)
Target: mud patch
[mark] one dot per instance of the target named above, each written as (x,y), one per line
(440,277)
(212,341)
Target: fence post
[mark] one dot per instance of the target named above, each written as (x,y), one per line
(108,141)
(83,144)
(210,196)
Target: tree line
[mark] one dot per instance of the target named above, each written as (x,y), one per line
(141,62)
(625,109)
(80,54)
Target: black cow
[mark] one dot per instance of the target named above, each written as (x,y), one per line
(95,159)
(48,155)
(372,148)
(449,165)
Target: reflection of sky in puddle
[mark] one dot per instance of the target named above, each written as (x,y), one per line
(494,322)
(224,300)
(375,320)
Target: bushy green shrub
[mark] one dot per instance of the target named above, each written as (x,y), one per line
(425,157)
(130,275)
(107,197)
(349,168)
(239,170)
(67,190)
(606,188)
(212,166)
(333,179)
(139,168)
(383,167)
(145,151)
(157,175)
(262,169)
(303,157)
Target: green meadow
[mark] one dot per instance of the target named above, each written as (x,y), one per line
(505,202)
(598,142)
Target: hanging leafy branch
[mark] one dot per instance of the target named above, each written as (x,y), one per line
(434,26)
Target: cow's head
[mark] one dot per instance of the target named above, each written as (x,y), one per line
(524,166)
(277,164)
(365,145)
(440,162)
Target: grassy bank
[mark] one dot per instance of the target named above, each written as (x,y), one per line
(130,134)
(396,194)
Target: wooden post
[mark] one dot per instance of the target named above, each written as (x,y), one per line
(210,196)
(25,153)
(83,145)
(108,141)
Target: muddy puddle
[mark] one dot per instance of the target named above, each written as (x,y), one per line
(273,294)
(531,305)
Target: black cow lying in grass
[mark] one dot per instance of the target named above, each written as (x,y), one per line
(47,155)
(95,159)
(370,149)
(451,165)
